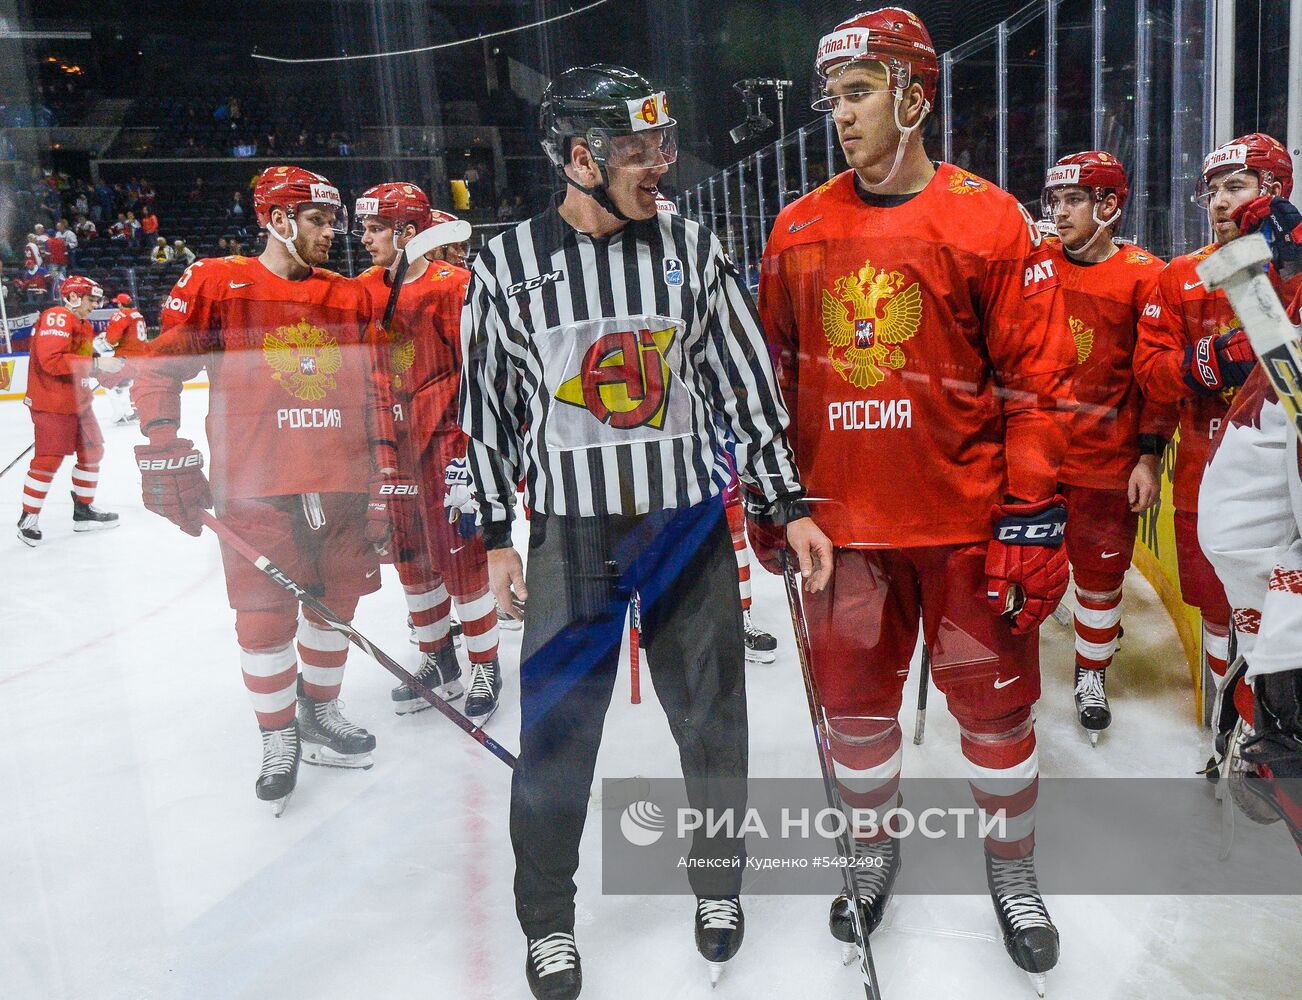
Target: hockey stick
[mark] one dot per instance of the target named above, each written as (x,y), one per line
(823,740)
(635,650)
(18,459)
(1238,269)
(356,638)
(418,246)
(924,686)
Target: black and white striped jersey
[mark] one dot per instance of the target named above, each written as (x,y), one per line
(606,372)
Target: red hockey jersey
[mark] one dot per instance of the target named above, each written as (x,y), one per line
(923,352)
(59,369)
(127,333)
(1103,303)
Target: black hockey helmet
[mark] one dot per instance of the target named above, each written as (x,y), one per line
(617,113)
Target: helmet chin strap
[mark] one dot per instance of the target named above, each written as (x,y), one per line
(598,192)
(905,132)
(288,241)
(1101,224)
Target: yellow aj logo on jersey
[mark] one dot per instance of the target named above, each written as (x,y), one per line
(867,320)
(304,359)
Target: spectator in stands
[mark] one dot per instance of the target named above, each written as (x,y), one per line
(32,255)
(56,253)
(34,284)
(198,192)
(70,239)
(146,192)
(81,204)
(42,237)
(85,230)
(102,210)
(181,253)
(235,209)
(148,224)
(162,253)
(120,231)
(133,229)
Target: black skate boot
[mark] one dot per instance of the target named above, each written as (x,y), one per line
(29,532)
(1029,934)
(760,646)
(720,928)
(874,876)
(440,672)
(553,968)
(87,518)
(484,691)
(281,752)
(1092,701)
(328,738)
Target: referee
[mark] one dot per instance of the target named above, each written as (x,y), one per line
(608,349)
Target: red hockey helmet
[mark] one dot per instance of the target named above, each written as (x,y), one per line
(122,299)
(80,286)
(394,203)
(293,187)
(1096,171)
(892,36)
(453,253)
(1257,152)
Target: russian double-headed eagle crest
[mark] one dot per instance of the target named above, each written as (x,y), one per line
(961,182)
(304,359)
(1083,336)
(865,322)
(401,358)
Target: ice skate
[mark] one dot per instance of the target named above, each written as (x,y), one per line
(720,928)
(553,968)
(1030,937)
(29,532)
(760,646)
(1092,702)
(484,691)
(328,738)
(874,876)
(87,518)
(281,752)
(440,672)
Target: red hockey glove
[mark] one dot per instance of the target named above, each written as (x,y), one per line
(1279,221)
(1216,363)
(173,484)
(1026,562)
(390,496)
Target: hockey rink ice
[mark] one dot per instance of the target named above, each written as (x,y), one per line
(137,863)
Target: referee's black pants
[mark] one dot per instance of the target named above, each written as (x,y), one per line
(581,574)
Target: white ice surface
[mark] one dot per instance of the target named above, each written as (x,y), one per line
(137,864)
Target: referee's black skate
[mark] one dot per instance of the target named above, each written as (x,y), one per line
(760,646)
(720,928)
(281,752)
(553,968)
(87,518)
(1092,701)
(484,691)
(440,672)
(1029,934)
(328,738)
(876,869)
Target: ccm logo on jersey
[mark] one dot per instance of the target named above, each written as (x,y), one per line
(176,305)
(308,416)
(1039,276)
(191,461)
(530,284)
(870,414)
(399,490)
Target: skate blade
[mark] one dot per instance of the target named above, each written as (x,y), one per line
(716,970)
(410,706)
(95,525)
(1094,737)
(1038,981)
(849,953)
(31,543)
(278,805)
(325,757)
(761,656)
(480,721)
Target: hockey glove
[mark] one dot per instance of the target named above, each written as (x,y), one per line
(109,375)
(766,532)
(1217,363)
(173,484)
(1026,562)
(1279,221)
(459,498)
(390,493)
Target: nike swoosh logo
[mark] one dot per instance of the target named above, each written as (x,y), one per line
(1191,285)
(1108,555)
(1004,684)
(456,550)
(243,284)
(371,573)
(795,227)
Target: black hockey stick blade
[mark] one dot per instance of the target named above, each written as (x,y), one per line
(18,459)
(280,579)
